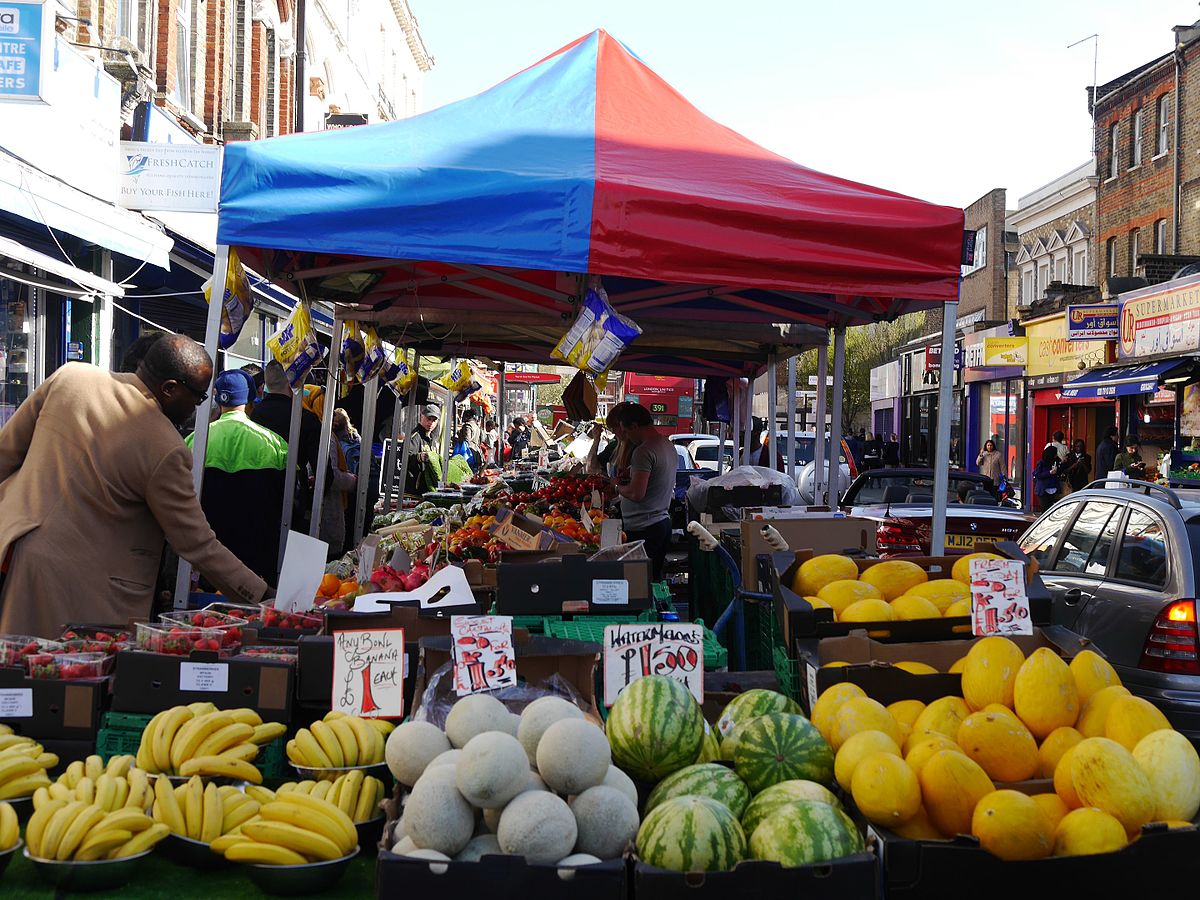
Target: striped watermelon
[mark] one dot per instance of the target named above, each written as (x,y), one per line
(781,747)
(655,728)
(710,749)
(691,834)
(781,794)
(804,832)
(712,780)
(756,702)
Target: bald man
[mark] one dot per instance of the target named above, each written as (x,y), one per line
(93,475)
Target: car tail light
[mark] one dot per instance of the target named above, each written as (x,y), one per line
(1173,644)
(896,538)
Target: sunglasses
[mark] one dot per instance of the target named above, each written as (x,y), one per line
(200,396)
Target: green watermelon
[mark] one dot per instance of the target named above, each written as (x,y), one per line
(710,748)
(712,780)
(691,834)
(730,741)
(748,705)
(781,747)
(804,832)
(655,728)
(781,794)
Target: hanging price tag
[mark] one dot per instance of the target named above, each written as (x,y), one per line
(999,604)
(484,659)
(672,649)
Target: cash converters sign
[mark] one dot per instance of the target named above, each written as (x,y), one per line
(1004,351)
(26,50)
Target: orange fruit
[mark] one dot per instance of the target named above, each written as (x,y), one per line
(330,585)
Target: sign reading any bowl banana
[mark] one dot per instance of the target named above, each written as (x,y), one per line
(339,742)
(199,739)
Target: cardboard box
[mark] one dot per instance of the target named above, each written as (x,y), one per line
(871,663)
(417,623)
(819,532)
(151,682)
(571,585)
(61,710)
(740,497)
(522,532)
(314,676)
(852,878)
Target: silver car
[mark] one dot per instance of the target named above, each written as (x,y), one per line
(1119,559)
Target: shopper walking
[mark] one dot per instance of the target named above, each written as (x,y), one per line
(990,462)
(1079,466)
(518,439)
(647,491)
(1060,448)
(891,452)
(93,470)
(1045,479)
(872,452)
(1106,452)
(467,443)
(424,459)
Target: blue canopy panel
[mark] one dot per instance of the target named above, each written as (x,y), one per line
(1121,382)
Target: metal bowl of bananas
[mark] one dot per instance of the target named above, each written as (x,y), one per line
(339,744)
(7,855)
(87,875)
(296,879)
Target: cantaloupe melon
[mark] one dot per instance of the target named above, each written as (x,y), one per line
(1094,713)
(1170,762)
(539,826)
(919,828)
(841,594)
(436,816)
(1053,806)
(870,610)
(1012,826)
(1057,742)
(474,715)
(1064,782)
(951,785)
(894,577)
(606,821)
(961,571)
(478,847)
(828,704)
(411,747)
(540,715)
(921,752)
(862,714)
(915,668)
(941,592)
(448,758)
(1001,745)
(615,778)
(1083,832)
(943,715)
(404,846)
(1044,693)
(905,712)
(911,607)
(578,859)
(821,570)
(492,770)
(990,672)
(572,756)
(1105,775)
(855,749)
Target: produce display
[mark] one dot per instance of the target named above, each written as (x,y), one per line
(290,829)
(202,812)
(930,772)
(355,794)
(339,741)
(199,739)
(117,785)
(15,647)
(74,830)
(23,765)
(10,827)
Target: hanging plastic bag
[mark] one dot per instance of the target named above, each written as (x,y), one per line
(352,352)
(295,345)
(236,302)
(599,335)
(399,376)
(460,380)
(374,356)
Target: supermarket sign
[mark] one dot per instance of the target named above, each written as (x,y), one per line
(1094,322)
(1163,319)
(26,50)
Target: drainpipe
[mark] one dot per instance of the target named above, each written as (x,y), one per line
(1178,153)
(301,88)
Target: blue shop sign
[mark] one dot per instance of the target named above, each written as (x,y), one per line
(1094,322)
(26,43)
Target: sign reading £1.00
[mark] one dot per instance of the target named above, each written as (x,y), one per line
(1161,321)
(26,50)
(1004,351)
(634,651)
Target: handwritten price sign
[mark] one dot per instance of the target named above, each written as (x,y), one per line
(368,672)
(483,653)
(662,648)
(999,604)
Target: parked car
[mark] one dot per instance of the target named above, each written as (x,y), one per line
(687,469)
(901,502)
(686,439)
(806,451)
(1121,569)
(704,452)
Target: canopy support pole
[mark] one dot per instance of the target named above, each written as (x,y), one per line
(289,483)
(772,413)
(410,422)
(818,480)
(720,447)
(399,413)
(502,410)
(735,432)
(791,417)
(941,463)
(335,357)
(835,417)
(748,423)
(367,438)
(212,331)
(449,414)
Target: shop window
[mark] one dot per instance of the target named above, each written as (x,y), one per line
(17,346)
(183,55)
(1079,272)
(1114,148)
(1043,276)
(1084,550)
(1111,250)
(1164,124)
(1060,268)
(127,19)
(1143,555)
(1134,241)
(1027,291)
(1160,236)
(980,252)
(1135,158)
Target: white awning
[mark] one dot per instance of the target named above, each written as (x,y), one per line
(78,282)
(34,195)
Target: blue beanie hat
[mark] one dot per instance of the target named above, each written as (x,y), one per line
(233,388)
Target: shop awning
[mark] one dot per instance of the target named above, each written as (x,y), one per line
(75,282)
(1121,382)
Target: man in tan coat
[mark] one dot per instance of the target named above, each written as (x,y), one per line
(93,474)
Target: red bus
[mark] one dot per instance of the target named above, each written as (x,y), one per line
(669,399)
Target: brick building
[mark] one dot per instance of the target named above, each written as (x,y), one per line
(1055,225)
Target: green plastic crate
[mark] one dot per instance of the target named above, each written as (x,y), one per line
(715,656)
(112,742)
(660,591)
(787,673)
(126,721)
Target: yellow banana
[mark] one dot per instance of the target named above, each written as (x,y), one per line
(180,790)
(225,841)
(144,759)
(121,794)
(10,829)
(219,741)
(130,819)
(106,792)
(41,796)
(244,752)
(140,843)
(59,791)
(24,786)
(73,773)
(383,726)
(229,792)
(267,732)
(346,740)
(5,729)
(137,788)
(222,765)
(259,793)
(57,827)
(347,799)
(246,716)
(313,813)
(201,708)
(193,807)
(168,729)
(13,740)
(47,760)
(93,767)
(368,800)
(329,743)
(85,790)
(167,809)
(36,826)
(194,733)
(119,766)
(238,816)
(321,789)
(365,736)
(302,840)
(334,714)
(214,815)
(263,854)
(285,787)
(100,843)
(311,754)
(13,767)
(77,830)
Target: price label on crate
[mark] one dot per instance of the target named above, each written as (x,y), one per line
(368,672)
(484,659)
(635,650)
(16,703)
(999,603)
(213,677)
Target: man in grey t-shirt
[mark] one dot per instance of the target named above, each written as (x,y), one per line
(646,494)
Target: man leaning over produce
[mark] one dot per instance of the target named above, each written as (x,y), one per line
(93,474)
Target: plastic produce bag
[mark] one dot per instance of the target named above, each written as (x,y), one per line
(620,552)
(295,345)
(460,380)
(236,302)
(374,357)
(744,476)
(598,336)
(352,352)
(399,376)
(439,695)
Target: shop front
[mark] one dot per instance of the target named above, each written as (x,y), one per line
(919,410)
(995,401)
(885,400)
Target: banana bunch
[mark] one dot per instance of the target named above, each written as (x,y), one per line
(119,785)
(201,812)
(354,794)
(339,741)
(73,830)
(5,729)
(10,830)
(199,739)
(291,830)
(23,765)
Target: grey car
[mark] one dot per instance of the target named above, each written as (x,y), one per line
(1119,559)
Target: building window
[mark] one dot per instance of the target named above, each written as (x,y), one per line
(1111,249)
(980,252)
(183,55)
(1164,122)
(127,20)
(1160,236)
(1060,268)
(1134,240)
(1136,159)
(1043,276)
(1027,292)
(1079,273)
(1114,146)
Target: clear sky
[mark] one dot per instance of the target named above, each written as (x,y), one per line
(940,99)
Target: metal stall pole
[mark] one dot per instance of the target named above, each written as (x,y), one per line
(818,483)
(835,417)
(791,417)
(370,398)
(772,411)
(720,447)
(389,463)
(212,331)
(941,465)
(314,527)
(748,422)
(410,422)
(449,414)
(289,484)
(735,427)
(502,409)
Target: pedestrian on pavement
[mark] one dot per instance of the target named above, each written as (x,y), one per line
(1129,460)
(990,462)
(1079,466)
(519,438)
(340,482)
(245,467)
(1045,479)
(1106,452)
(855,443)
(646,492)
(93,470)
(1059,447)
(274,412)
(491,434)
(891,452)
(872,452)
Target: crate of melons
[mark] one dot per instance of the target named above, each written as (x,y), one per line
(1041,773)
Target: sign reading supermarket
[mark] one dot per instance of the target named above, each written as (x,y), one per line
(1161,320)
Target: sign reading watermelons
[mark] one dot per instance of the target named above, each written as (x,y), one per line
(368,672)
(483,653)
(633,651)
(999,604)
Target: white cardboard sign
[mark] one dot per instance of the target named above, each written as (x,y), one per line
(212,677)
(300,578)
(16,703)
(368,672)
(484,659)
(999,604)
(633,651)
